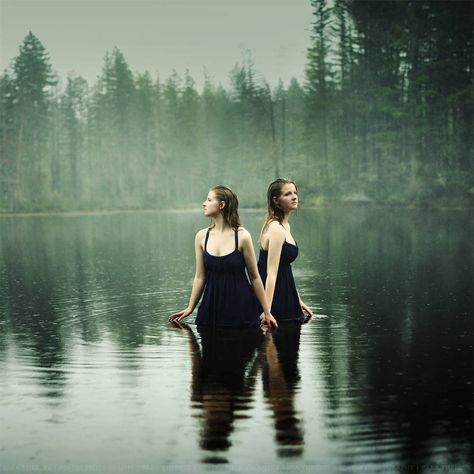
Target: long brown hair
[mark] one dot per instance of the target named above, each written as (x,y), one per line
(274,212)
(230,211)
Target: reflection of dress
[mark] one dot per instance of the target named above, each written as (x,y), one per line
(285,304)
(224,375)
(281,381)
(228,298)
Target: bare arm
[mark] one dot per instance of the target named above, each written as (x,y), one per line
(255,280)
(305,309)
(276,239)
(198,282)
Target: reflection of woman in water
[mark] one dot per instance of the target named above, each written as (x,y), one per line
(223,252)
(280,380)
(223,380)
(277,250)
(224,373)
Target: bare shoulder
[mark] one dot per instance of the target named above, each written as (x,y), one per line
(244,235)
(275,229)
(200,234)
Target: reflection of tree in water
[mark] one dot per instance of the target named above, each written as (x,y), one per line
(223,379)
(281,378)
(31,317)
(396,360)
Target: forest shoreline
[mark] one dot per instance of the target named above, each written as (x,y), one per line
(383,116)
(109,212)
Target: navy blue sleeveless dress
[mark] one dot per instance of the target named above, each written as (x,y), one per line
(285,304)
(228,299)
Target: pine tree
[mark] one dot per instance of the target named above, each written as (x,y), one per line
(113,114)
(318,89)
(74,110)
(7,141)
(32,77)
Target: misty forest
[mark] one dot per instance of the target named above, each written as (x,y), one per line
(384,115)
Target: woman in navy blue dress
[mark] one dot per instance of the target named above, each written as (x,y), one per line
(223,252)
(278,249)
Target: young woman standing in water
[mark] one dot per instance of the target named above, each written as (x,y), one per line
(223,252)
(277,250)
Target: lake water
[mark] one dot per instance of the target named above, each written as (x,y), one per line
(93,378)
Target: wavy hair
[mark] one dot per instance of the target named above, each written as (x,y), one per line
(230,211)
(274,212)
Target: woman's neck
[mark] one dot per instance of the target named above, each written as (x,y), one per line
(285,221)
(220,225)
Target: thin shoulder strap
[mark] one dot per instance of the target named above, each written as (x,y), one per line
(236,238)
(207,238)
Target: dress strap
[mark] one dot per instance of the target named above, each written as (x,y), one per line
(207,238)
(236,230)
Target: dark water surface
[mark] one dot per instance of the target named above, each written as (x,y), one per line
(93,379)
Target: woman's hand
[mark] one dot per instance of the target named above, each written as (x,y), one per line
(176,317)
(306,312)
(268,320)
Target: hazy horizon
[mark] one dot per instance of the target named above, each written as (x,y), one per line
(161,36)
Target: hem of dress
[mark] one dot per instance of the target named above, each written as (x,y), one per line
(298,319)
(233,326)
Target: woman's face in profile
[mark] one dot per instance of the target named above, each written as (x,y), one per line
(211,205)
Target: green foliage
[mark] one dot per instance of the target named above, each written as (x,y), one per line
(384,116)
(26,127)
(32,75)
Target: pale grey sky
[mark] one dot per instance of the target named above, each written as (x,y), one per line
(162,35)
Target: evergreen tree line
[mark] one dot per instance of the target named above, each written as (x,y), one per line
(384,115)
